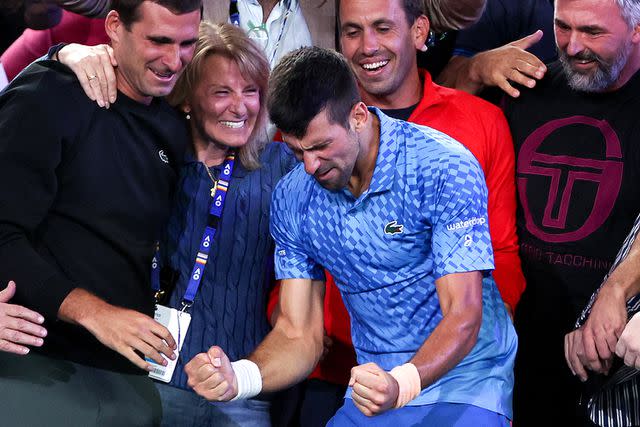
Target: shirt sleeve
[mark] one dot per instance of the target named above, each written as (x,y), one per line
(31,45)
(292,260)
(31,147)
(502,210)
(90,8)
(458,204)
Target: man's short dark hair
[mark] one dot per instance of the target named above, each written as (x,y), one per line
(412,10)
(307,81)
(128,10)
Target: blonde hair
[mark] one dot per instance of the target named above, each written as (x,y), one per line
(231,42)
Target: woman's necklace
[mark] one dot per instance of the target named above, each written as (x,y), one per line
(214,181)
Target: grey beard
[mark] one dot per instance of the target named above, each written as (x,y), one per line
(605,75)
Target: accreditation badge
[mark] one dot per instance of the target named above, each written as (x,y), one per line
(177,322)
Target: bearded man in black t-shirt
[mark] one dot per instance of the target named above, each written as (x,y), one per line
(578,167)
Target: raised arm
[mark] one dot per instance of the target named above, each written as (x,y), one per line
(499,67)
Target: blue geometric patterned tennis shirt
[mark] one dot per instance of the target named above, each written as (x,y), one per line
(423,216)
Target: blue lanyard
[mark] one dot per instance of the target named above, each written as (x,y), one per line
(215,213)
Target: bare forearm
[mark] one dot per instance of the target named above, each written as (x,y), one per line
(456,74)
(447,345)
(291,350)
(625,279)
(83,308)
(286,360)
(285,356)
(126,331)
(460,296)
(79,307)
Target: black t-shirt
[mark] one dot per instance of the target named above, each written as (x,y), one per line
(577,171)
(400,113)
(578,168)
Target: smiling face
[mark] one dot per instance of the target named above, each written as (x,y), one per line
(595,44)
(380,46)
(153,52)
(224,107)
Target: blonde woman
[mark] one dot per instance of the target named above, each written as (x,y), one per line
(222,94)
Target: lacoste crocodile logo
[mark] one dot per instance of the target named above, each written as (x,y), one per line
(393,228)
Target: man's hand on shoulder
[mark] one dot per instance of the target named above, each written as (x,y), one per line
(94,67)
(123,330)
(19,326)
(211,375)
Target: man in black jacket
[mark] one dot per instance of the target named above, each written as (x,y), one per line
(84,193)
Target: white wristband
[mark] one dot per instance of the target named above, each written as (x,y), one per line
(248,377)
(409,383)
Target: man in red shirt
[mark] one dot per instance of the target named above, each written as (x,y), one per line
(379,38)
